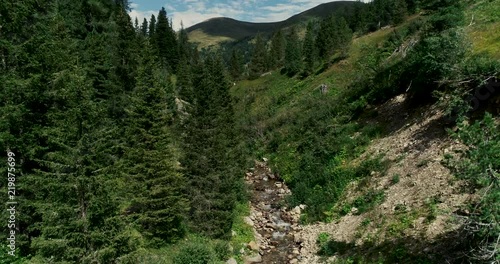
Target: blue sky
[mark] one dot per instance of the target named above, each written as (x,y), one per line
(191,12)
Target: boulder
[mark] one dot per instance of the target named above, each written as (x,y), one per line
(231,261)
(253,246)
(253,259)
(248,221)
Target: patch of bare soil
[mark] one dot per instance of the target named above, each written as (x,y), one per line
(421,195)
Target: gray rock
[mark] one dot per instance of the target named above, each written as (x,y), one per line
(253,259)
(248,221)
(253,246)
(231,261)
(278,235)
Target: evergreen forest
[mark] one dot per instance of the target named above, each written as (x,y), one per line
(124,142)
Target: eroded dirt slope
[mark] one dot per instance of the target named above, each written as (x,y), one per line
(421,197)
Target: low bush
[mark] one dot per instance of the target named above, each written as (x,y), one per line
(480,164)
(195,253)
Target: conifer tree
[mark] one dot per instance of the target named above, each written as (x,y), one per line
(360,19)
(334,35)
(309,49)
(144,28)
(165,40)
(152,28)
(325,39)
(399,11)
(184,45)
(412,6)
(258,65)
(210,157)
(277,52)
(184,84)
(136,25)
(71,80)
(158,203)
(235,65)
(343,37)
(293,53)
(74,194)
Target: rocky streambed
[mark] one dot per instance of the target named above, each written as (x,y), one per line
(276,226)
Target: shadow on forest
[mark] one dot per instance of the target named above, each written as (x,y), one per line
(397,114)
(451,247)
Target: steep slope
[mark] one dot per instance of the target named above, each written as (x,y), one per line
(400,201)
(417,214)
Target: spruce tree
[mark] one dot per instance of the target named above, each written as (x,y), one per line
(64,92)
(235,65)
(257,64)
(152,29)
(334,35)
(360,19)
(144,28)
(325,39)
(399,11)
(166,42)
(158,203)
(309,50)
(210,158)
(184,84)
(293,53)
(343,37)
(184,45)
(277,52)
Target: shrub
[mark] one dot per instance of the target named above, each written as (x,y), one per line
(447,18)
(395,178)
(221,249)
(434,59)
(369,200)
(480,164)
(195,254)
(329,247)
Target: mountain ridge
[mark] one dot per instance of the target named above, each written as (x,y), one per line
(220,29)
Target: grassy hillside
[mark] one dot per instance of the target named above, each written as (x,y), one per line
(484,27)
(368,156)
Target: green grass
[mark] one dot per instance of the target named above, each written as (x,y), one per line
(395,179)
(217,251)
(312,139)
(403,221)
(432,209)
(485,30)
(243,232)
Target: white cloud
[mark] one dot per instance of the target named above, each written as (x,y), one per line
(292,9)
(141,15)
(190,18)
(199,12)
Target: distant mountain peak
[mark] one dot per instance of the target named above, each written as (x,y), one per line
(225,28)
